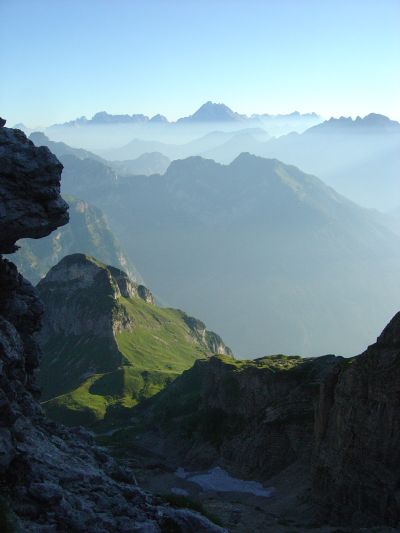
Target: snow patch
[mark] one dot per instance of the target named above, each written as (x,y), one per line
(218,480)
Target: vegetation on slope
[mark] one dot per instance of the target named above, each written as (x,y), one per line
(95,374)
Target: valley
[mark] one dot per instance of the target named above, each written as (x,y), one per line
(281,263)
(199,266)
(274,259)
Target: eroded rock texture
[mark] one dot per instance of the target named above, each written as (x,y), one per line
(254,417)
(55,479)
(357,455)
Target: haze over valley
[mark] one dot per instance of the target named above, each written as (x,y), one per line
(271,257)
(199,266)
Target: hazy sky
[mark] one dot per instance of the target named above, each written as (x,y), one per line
(61,59)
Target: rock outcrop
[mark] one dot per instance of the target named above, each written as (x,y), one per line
(31,205)
(356,478)
(54,479)
(253,417)
(81,297)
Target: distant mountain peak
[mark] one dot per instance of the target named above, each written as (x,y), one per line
(39,138)
(371,123)
(82,271)
(159,118)
(214,112)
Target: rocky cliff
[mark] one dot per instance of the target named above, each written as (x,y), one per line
(106,345)
(253,417)
(356,474)
(51,479)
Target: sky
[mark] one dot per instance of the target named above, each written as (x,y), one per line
(61,59)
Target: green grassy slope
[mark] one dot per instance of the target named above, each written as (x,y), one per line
(89,380)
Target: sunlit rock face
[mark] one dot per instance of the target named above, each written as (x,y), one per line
(54,479)
(357,452)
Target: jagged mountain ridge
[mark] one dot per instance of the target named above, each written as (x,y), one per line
(105,131)
(370,124)
(106,345)
(208,112)
(261,249)
(358,157)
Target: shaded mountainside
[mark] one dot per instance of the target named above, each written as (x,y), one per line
(52,478)
(87,232)
(145,164)
(106,346)
(276,260)
(356,477)
(254,417)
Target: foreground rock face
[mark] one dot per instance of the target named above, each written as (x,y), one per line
(31,205)
(357,453)
(55,480)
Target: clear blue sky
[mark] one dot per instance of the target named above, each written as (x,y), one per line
(60,59)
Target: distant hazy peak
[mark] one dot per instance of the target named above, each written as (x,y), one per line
(39,138)
(293,115)
(193,163)
(370,123)
(213,112)
(159,118)
(104,118)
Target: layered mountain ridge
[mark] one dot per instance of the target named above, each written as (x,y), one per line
(208,112)
(276,260)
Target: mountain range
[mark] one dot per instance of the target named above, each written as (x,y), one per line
(273,259)
(326,427)
(360,158)
(208,112)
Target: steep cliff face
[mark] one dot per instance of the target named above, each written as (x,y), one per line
(53,479)
(106,345)
(255,417)
(357,453)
